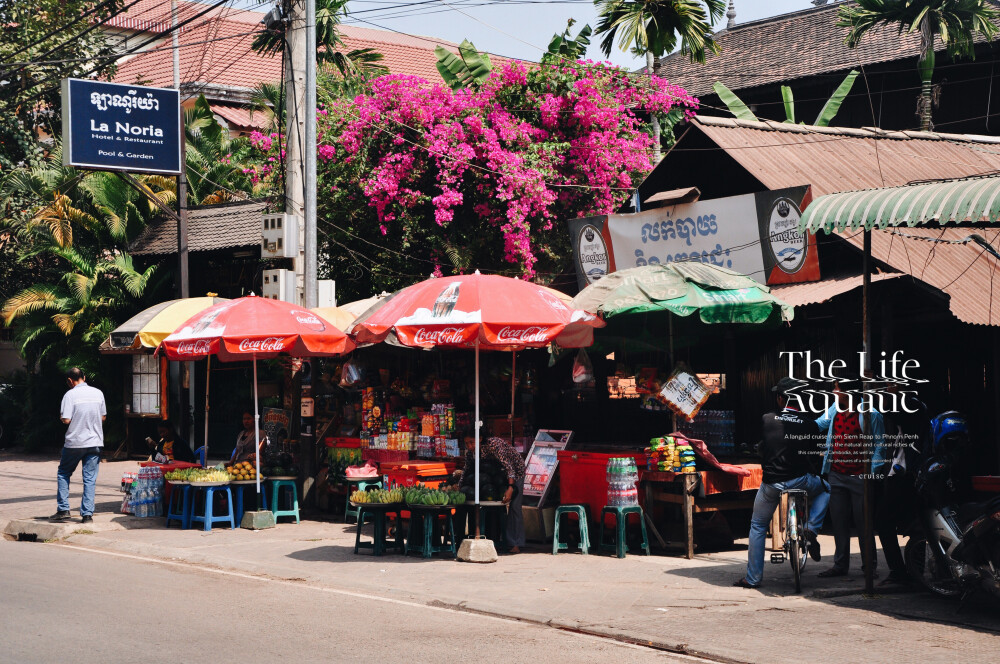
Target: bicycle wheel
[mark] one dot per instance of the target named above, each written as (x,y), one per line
(795,543)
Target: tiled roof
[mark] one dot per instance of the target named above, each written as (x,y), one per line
(239,116)
(834,159)
(786,47)
(219,52)
(209,228)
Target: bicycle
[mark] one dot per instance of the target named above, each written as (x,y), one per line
(795,547)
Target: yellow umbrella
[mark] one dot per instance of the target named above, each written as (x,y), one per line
(148,328)
(337,316)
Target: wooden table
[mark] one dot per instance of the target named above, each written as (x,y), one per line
(702,491)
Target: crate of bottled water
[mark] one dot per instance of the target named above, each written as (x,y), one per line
(146,495)
(622,478)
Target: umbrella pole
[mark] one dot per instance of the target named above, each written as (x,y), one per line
(256,429)
(673,364)
(478,425)
(513,382)
(208,373)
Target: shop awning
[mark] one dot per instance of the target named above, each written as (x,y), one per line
(967,201)
(814,292)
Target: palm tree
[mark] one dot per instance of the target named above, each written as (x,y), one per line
(956,22)
(212,160)
(361,63)
(658,27)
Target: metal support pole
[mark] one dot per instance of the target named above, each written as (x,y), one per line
(310,284)
(868,539)
(478,425)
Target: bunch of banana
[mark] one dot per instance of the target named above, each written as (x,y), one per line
(360,497)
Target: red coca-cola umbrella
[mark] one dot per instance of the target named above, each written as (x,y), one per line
(476,311)
(249,328)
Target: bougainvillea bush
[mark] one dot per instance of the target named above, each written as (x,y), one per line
(416,179)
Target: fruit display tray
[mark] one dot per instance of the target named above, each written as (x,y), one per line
(210,483)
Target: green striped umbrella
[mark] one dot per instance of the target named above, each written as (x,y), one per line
(718,295)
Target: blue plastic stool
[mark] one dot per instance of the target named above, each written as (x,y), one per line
(180,498)
(208,517)
(200,453)
(240,495)
(581,511)
(499,515)
(620,546)
(360,485)
(276,487)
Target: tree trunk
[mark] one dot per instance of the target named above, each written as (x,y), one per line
(925,65)
(650,67)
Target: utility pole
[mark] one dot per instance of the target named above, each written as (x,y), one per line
(183,279)
(295,117)
(311,276)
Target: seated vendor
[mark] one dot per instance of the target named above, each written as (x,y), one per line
(245,442)
(169,446)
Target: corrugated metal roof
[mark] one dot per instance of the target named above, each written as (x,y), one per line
(814,292)
(834,159)
(965,272)
(975,200)
(209,228)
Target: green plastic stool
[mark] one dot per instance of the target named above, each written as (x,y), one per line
(350,511)
(581,511)
(380,518)
(276,487)
(424,541)
(620,546)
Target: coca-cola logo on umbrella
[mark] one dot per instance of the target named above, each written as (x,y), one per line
(309,320)
(442,336)
(524,335)
(268,345)
(446,301)
(199,347)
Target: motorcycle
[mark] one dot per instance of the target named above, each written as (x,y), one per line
(955,550)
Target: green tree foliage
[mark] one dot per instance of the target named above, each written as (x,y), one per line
(468,69)
(826,115)
(76,237)
(660,26)
(563,48)
(42,42)
(361,63)
(955,22)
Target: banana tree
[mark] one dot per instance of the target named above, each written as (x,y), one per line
(658,27)
(826,115)
(956,22)
(468,69)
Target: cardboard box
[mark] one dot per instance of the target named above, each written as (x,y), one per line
(538,523)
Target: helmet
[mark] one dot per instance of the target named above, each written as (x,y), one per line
(950,431)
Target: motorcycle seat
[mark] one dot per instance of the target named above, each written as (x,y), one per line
(969,512)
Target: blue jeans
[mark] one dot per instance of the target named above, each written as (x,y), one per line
(768,497)
(71,458)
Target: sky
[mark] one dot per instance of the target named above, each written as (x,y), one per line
(517,28)
(514,28)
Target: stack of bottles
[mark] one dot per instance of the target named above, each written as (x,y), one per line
(429,447)
(716,427)
(672,454)
(128,479)
(147,493)
(622,478)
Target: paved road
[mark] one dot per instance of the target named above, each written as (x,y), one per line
(65,604)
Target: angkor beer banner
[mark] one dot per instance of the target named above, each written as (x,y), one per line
(755,234)
(107,126)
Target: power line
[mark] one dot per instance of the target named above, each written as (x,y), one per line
(61,28)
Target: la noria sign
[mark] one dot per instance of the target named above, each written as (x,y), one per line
(113,127)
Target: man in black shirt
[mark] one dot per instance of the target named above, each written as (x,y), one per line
(788,439)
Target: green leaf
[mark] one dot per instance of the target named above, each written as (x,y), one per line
(786,96)
(468,69)
(732,102)
(832,105)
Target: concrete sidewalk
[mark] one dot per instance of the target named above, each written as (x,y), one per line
(677,604)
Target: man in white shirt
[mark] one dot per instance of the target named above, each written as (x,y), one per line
(84,410)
